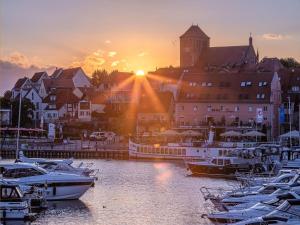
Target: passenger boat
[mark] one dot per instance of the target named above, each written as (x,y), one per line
(193,151)
(13,206)
(59,186)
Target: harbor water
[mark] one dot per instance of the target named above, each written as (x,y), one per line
(135,193)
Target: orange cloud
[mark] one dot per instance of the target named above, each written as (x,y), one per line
(274,37)
(112,53)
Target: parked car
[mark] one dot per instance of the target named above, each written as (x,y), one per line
(98,136)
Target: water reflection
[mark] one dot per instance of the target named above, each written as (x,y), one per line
(135,193)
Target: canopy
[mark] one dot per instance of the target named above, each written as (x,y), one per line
(293,134)
(190,133)
(231,134)
(169,133)
(254,133)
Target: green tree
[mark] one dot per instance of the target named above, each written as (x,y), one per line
(99,77)
(290,62)
(27,109)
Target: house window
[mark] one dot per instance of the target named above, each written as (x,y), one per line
(295,88)
(37,105)
(262,96)
(243,84)
(195,108)
(265,83)
(209,108)
(209,84)
(249,83)
(52,98)
(258,96)
(237,108)
(203,84)
(250,109)
(265,108)
(260,83)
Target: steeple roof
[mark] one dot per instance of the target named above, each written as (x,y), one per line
(194,31)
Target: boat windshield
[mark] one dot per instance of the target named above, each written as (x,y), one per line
(267,190)
(22,172)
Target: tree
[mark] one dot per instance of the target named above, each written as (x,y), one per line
(99,77)
(27,109)
(289,62)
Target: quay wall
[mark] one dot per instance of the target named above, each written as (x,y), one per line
(76,154)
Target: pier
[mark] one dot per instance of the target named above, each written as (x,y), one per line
(76,154)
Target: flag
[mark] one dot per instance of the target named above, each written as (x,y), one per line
(281,114)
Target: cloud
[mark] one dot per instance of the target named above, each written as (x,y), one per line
(141,54)
(274,37)
(112,53)
(15,67)
(108,42)
(115,63)
(91,62)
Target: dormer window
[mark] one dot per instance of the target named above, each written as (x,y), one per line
(249,83)
(52,98)
(209,84)
(260,96)
(262,83)
(243,84)
(203,84)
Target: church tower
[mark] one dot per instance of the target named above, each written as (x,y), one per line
(192,45)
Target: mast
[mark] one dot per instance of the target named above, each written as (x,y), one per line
(19,119)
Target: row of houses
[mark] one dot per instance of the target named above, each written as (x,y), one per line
(224,87)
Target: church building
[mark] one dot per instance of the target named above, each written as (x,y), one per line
(195,50)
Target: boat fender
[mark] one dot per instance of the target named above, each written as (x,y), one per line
(54,190)
(204,216)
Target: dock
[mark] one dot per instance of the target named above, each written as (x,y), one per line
(76,154)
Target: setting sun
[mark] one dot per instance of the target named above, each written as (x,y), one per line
(140,73)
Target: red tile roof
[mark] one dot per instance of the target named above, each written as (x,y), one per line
(68,73)
(225,87)
(37,76)
(193,31)
(20,82)
(63,96)
(225,56)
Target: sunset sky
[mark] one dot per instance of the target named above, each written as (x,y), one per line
(132,34)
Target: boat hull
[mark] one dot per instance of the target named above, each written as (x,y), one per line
(216,171)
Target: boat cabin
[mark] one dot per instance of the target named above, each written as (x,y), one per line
(10,193)
(19,170)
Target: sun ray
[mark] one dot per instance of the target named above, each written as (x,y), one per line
(150,92)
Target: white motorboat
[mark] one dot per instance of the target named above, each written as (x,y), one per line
(12,204)
(259,209)
(285,181)
(59,186)
(63,166)
(288,213)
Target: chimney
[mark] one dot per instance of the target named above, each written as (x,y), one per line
(250,40)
